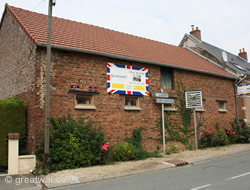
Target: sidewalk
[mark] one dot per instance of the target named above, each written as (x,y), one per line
(96,173)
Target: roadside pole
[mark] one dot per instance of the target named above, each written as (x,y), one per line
(162,98)
(47,102)
(193,99)
(163,127)
(195,130)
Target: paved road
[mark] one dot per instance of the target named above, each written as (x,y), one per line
(228,173)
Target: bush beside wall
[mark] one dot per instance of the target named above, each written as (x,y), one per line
(12,120)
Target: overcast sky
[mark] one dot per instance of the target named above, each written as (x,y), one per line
(223,23)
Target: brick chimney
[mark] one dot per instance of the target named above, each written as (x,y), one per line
(196,33)
(243,54)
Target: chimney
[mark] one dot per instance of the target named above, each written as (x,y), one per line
(196,33)
(243,54)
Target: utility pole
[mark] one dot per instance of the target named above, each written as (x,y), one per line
(47,103)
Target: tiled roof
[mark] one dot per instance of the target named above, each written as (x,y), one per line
(77,35)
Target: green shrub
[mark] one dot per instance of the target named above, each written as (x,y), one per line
(73,144)
(12,120)
(220,138)
(140,152)
(172,149)
(124,151)
(239,133)
(206,139)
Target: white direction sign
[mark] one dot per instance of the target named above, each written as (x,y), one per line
(161,95)
(164,101)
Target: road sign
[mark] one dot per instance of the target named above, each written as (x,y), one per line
(161,95)
(193,99)
(164,101)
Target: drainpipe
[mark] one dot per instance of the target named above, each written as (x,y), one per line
(236,83)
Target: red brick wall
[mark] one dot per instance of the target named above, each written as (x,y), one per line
(88,70)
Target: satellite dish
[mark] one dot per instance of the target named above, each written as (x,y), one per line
(224,56)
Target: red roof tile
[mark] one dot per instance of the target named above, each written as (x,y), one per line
(88,37)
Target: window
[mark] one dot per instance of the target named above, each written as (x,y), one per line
(166,78)
(84,102)
(169,107)
(131,103)
(222,106)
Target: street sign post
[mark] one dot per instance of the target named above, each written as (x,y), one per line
(162,98)
(194,100)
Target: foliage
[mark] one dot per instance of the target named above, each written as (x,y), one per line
(140,152)
(206,139)
(240,132)
(218,138)
(73,144)
(12,120)
(172,149)
(106,153)
(178,127)
(124,151)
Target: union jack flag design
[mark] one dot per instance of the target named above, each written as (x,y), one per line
(243,90)
(126,79)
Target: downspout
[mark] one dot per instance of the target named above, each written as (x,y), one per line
(236,83)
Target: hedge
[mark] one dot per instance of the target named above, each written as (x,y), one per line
(12,120)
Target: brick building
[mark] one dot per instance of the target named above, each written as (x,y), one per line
(237,65)
(81,59)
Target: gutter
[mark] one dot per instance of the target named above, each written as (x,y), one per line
(236,83)
(127,58)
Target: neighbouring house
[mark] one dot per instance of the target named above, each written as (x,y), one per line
(235,64)
(103,75)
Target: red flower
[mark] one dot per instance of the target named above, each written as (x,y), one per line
(202,136)
(105,146)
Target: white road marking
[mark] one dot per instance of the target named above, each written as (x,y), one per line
(248,173)
(201,187)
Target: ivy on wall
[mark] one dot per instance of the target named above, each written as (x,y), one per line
(178,123)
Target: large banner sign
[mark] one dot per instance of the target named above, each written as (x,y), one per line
(243,90)
(126,79)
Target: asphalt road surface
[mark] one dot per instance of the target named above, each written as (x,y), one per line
(228,173)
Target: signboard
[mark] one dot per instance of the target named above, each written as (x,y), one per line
(193,99)
(74,88)
(243,90)
(126,79)
(161,95)
(164,101)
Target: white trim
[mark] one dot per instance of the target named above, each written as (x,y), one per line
(77,107)
(222,110)
(132,108)
(170,109)
(200,110)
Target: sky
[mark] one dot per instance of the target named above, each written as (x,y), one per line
(223,23)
